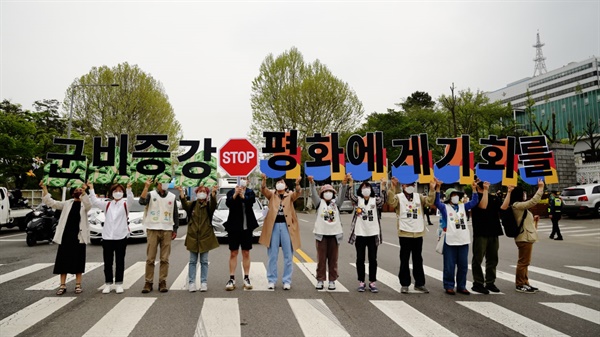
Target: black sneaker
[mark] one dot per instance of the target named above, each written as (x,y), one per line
(534,288)
(558,238)
(525,289)
(479,288)
(492,287)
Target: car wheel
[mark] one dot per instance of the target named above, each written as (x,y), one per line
(30,239)
(571,215)
(598,210)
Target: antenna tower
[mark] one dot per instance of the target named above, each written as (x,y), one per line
(540,65)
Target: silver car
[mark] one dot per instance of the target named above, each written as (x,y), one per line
(222,212)
(581,199)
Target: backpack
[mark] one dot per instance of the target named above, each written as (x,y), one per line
(511,229)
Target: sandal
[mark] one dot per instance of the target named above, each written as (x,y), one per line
(62,289)
(78,289)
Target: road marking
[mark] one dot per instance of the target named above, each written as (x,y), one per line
(310,270)
(439,275)
(132,274)
(54,282)
(12,240)
(258,277)
(211,322)
(29,316)
(410,319)
(303,220)
(23,271)
(180,238)
(587,234)
(544,287)
(592,230)
(10,236)
(566,277)
(295,259)
(391,244)
(562,229)
(304,255)
(315,318)
(121,319)
(385,277)
(586,268)
(511,319)
(576,310)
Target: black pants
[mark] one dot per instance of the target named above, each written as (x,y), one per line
(370,243)
(555,229)
(412,246)
(116,249)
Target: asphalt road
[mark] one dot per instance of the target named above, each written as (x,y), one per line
(567,273)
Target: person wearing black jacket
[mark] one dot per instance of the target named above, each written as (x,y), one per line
(486,230)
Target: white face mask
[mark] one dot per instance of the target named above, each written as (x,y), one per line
(117,195)
(243,182)
(409,189)
(454,199)
(201,195)
(366,192)
(280,186)
(165,186)
(327,195)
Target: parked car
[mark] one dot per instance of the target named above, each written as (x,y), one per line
(581,199)
(347,206)
(136,229)
(183,219)
(222,212)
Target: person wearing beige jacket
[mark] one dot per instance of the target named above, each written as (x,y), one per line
(528,235)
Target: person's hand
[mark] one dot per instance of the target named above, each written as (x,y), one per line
(148,183)
(90,185)
(394,182)
(350,179)
(432,185)
(473,187)
(238,190)
(263,176)
(345,180)
(173,235)
(311,179)
(510,188)
(298,180)
(438,184)
(486,185)
(383,183)
(179,188)
(129,185)
(214,190)
(43,186)
(540,184)
(83,187)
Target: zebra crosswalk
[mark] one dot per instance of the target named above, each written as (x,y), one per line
(314,315)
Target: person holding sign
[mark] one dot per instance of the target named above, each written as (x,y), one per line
(280,228)
(365,230)
(410,207)
(72,234)
(328,230)
(200,236)
(457,238)
(114,233)
(240,224)
(527,236)
(161,221)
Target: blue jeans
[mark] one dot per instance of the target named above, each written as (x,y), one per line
(280,236)
(203,267)
(456,256)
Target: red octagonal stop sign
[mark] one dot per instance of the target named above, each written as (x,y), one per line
(238,157)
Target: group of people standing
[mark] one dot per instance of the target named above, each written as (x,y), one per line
(281,230)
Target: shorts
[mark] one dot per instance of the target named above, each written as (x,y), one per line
(237,239)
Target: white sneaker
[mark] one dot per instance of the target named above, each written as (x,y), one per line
(119,289)
(287,286)
(331,285)
(192,287)
(247,284)
(271,285)
(203,287)
(106,289)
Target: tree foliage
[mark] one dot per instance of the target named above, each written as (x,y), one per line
(291,94)
(138,105)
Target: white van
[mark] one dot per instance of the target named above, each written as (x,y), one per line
(13,217)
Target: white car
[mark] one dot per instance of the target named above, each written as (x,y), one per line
(182,214)
(136,229)
(222,212)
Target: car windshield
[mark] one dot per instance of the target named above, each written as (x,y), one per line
(573,192)
(223,206)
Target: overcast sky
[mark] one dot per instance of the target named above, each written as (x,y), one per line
(206,53)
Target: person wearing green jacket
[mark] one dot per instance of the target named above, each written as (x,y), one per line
(200,236)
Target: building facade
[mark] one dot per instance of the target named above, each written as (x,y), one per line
(571,92)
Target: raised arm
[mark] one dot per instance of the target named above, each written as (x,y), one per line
(483,203)
(534,200)
(314,195)
(506,202)
(342,192)
(263,188)
(297,189)
(47,198)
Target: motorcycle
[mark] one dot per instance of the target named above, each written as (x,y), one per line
(43,225)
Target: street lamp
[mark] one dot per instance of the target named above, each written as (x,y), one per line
(64,191)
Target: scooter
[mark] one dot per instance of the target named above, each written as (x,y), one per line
(43,225)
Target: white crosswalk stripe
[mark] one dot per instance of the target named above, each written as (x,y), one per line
(439,275)
(315,318)
(132,274)
(258,277)
(566,277)
(411,320)
(25,318)
(545,287)
(54,282)
(121,319)
(587,234)
(309,269)
(586,268)
(562,229)
(23,271)
(576,310)
(211,322)
(511,319)
(385,277)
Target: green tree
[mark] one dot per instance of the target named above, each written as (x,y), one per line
(139,105)
(291,94)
